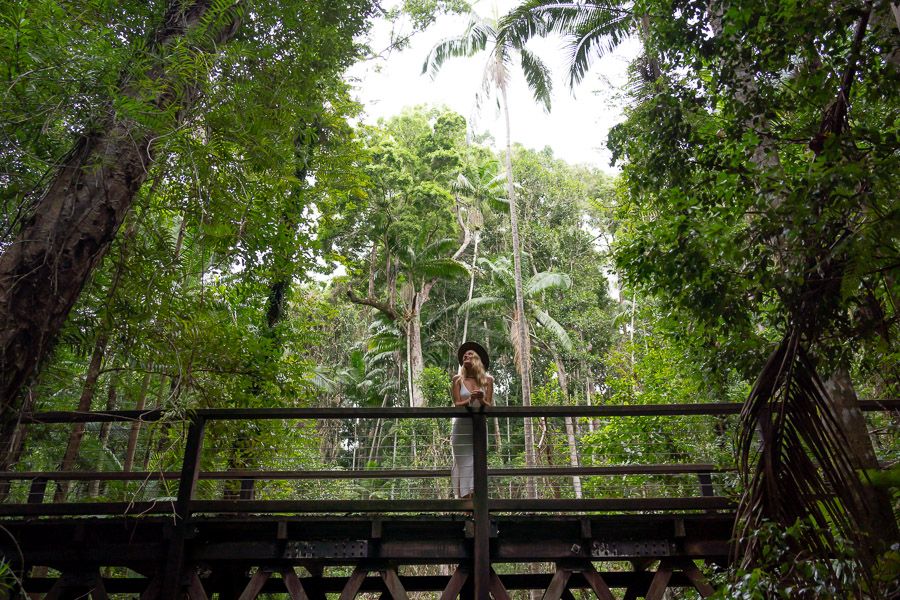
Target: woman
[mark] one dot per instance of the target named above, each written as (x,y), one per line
(472,387)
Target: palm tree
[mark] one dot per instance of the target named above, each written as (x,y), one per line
(422,267)
(590,29)
(478,194)
(503,302)
(483,35)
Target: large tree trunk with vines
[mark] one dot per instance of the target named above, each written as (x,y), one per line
(71,227)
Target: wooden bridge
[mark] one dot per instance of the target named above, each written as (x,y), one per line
(247,541)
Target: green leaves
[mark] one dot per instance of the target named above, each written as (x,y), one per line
(547,280)
(473,40)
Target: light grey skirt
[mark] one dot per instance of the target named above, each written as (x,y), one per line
(462,475)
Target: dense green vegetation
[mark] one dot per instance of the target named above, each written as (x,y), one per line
(273,251)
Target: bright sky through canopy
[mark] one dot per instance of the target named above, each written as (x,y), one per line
(575,129)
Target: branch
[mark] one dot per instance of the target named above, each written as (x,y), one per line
(836,114)
(379,306)
(467,237)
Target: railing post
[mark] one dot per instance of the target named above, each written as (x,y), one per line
(37,490)
(482,555)
(190,471)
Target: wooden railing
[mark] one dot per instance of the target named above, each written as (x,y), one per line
(186,504)
(190,472)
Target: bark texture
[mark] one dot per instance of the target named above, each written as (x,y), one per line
(71,227)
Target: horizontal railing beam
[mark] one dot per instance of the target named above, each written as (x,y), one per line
(371,506)
(659,469)
(231,414)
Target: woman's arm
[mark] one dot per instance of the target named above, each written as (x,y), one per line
(454,391)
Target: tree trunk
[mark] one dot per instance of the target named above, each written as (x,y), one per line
(882,524)
(128,464)
(13,452)
(72,225)
(97,487)
(416,359)
(570,426)
(84,405)
(525,362)
(471,287)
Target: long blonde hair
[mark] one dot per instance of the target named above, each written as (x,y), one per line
(478,373)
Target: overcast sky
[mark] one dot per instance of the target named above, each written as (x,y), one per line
(576,127)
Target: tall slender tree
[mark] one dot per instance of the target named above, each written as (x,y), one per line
(479,36)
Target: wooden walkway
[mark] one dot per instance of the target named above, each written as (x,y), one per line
(483,547)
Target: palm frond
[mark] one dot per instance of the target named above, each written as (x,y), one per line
(501,267)
(803,470)
(473,40)
(538,77)
(441,247)
(591,28)
(523,23)
(462,184)
(444,268)
(546,280)
(594,39)
(553,326)
(498,204)
(480,302)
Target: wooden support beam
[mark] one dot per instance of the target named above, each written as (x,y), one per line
(57,590)
(37,490)
(456,583)
(187,484)
(660,580)
(392,581)
(293,585)
(151,592)
(482,541)
(597,583)
(701,584)
(354,582)
(255,585)
(195,590)
(557,584)
(567,594)
(97,589)
(498,590)
(85,585)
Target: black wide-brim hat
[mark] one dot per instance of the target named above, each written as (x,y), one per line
(479,350)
